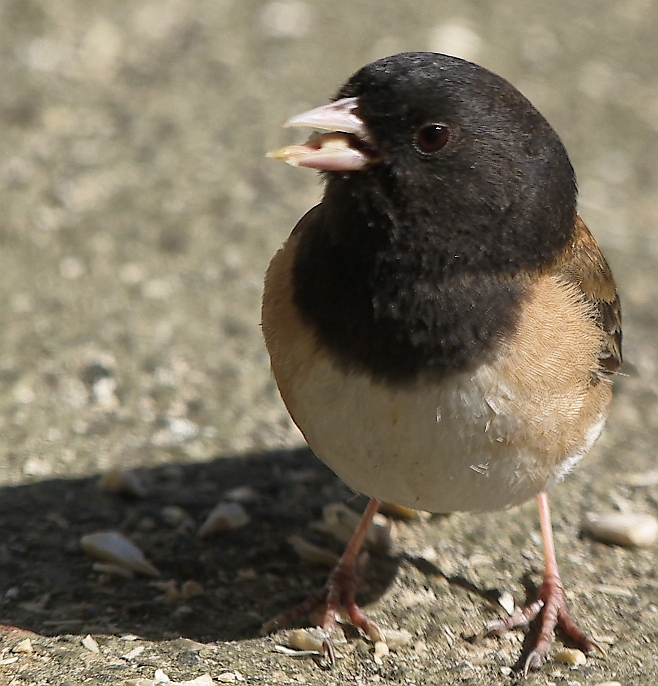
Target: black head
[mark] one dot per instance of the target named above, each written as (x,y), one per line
(465,156)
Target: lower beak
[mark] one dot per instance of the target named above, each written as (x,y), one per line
(346,148)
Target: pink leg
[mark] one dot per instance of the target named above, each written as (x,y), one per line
(339,591)
(551,604)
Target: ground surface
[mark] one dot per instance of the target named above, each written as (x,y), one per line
(137,216)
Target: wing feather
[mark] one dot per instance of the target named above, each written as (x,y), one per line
(585,266)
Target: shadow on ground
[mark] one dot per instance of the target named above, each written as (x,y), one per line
(47,584)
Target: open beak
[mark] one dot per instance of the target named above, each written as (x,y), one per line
(346,148)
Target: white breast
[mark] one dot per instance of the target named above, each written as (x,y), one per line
(442,448)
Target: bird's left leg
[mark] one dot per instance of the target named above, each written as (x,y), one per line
(550,606)
(339,591)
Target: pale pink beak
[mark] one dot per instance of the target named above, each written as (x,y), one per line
(345,149)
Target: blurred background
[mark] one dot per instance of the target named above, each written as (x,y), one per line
(138,215)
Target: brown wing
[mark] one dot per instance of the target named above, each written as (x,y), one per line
(585,266)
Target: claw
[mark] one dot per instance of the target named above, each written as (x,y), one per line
(599,648)
(533,661)
(330,651)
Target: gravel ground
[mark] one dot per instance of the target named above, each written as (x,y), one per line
(137,217)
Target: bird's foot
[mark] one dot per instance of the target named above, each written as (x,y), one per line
(338,593)
(551,607)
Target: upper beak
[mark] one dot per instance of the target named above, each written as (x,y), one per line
(346,149)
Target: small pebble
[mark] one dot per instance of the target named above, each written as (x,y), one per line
(622,528)
(160,677)
(90,644)
(608,683)
(225,517)
(641,479)
(380,534)
(246,574)
(134,653)
(570,656)
(191,589)
(313,553)
(71,268)
(340,521)
(132,273)
(175,516)
(381,651)
(396,638)
(23,647)
(288,19)
(146,524)
(306,639)
(123,482)
(170,589)
(205,680)
(241,494)
(363,648)
(113,547)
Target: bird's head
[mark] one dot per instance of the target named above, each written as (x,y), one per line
(449,149)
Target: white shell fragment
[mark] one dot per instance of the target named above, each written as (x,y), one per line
(113,547)
(306,640)
(313,553)
(123,482)
(89,642)
(284,650)
(506,601)
(24,646)
(570,656)
(340,521)
(622,528)
(224,517)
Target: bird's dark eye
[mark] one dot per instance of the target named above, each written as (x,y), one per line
(432,137)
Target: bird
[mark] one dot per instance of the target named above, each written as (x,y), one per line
(442,327)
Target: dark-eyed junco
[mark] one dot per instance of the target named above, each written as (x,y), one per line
(442,327)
